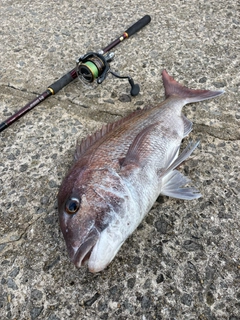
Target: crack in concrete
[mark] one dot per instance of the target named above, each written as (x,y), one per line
(18,89)
(213,132)
(19,236)
(111,113)
(198,127)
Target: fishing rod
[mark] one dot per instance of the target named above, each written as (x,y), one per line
(89,67)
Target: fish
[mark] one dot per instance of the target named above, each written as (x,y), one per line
(120,170)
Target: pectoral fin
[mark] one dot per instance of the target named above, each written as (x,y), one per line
(133,156)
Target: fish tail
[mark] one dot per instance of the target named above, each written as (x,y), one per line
(173,88)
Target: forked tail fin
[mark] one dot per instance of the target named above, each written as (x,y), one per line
(173,88)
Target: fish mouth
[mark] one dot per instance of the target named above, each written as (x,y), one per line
(83,253)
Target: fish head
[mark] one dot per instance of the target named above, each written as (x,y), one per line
(86,211)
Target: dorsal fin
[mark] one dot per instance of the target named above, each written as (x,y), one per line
(87,142)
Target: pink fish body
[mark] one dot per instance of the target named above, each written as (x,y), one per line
(120,171)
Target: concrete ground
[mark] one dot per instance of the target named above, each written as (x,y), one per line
(183,261)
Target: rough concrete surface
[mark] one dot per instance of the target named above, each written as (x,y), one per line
(183,261)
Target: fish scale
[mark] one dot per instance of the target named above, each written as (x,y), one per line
(119,172)
(114,145)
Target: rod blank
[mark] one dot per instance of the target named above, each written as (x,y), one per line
(71,75)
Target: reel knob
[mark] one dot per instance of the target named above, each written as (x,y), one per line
(135,89)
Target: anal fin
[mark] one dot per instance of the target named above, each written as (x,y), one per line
(172,187)
(173,181)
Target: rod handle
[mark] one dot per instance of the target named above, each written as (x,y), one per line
(3,126)
(62,82)
(138,25)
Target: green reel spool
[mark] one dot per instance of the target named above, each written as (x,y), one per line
(91,69)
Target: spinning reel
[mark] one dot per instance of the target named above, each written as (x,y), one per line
(92,66)
(95,66)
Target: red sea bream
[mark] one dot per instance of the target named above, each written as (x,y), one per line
(119,172)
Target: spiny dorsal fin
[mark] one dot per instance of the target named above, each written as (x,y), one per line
(87,142)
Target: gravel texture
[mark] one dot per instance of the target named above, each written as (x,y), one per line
(183,261)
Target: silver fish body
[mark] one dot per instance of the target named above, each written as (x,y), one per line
(120,171)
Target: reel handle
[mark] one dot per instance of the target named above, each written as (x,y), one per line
(138,25)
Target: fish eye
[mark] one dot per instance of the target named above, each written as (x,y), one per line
(72,205)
